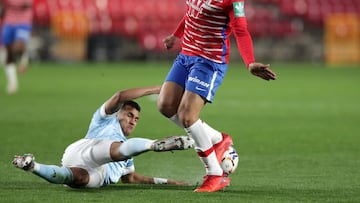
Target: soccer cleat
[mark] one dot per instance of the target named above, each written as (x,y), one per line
(221,147)
(213,183)
(173,143)
(25,162)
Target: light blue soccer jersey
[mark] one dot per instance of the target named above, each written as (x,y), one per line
(104,126)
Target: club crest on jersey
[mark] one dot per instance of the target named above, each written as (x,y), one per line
(239,9)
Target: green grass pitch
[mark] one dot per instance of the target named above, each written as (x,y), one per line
(298,138)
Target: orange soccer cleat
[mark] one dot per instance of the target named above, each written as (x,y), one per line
(213,183)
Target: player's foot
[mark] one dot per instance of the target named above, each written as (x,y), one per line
(173,143)
(213,183)
(22,69)
(25,162)
(222,146)
(11,88)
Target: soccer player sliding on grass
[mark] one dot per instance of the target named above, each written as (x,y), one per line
(104,156)
(199,70)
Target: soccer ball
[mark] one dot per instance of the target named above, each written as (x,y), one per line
(230,160)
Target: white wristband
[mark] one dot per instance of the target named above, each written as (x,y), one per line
(160,181)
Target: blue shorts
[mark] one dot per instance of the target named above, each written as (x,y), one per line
(198,75)
(12,33)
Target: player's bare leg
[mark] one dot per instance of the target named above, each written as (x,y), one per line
(23,63)
(188,112)
(11,76)
(20,55)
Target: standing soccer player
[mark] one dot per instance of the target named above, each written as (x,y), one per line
(199,70)
(16,31)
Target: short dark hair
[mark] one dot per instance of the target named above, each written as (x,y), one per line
(132,104)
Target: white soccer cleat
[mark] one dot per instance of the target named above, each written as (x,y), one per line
(173,143)
(25,162)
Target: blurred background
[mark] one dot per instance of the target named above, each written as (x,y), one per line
(298,137)
(113,30)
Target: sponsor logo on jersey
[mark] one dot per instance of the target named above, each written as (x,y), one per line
(239,9)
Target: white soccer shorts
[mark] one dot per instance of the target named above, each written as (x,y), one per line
(91,155)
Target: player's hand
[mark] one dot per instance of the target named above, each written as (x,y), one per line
(169,41)
(262,71)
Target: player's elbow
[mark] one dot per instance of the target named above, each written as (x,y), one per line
(119,97)
(128,179)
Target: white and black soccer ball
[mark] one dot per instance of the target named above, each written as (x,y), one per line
(230,160)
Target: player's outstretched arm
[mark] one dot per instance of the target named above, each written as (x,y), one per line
(261,70)
(137,178)
(115,102)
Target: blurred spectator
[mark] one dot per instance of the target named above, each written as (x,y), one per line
(16,32)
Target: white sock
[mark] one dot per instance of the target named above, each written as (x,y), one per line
(135,146)
(204,148)
(215,135)
(10,71)
(24,60)
(11,76)
(53,174)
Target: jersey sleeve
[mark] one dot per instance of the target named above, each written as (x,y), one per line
(99,116)
(102,111)
(239,28)
(179,31)
(130,167)
(114,170)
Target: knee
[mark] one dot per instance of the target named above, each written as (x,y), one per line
(166,107)
(115,153)
(18,48)
(80,177)
(187,118)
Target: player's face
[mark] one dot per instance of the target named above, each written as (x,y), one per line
(128,118)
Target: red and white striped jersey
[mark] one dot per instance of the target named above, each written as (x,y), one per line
(18,11)
(206,28)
